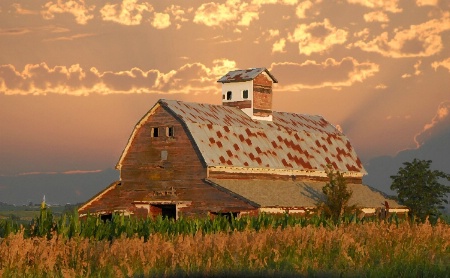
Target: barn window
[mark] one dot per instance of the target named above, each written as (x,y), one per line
(164,154)
(229,95)
(245,94)
(169,131)
(155,132)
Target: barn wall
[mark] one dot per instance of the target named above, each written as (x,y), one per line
(177,178)
(144,159)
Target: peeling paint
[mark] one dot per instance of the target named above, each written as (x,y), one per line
(293,141)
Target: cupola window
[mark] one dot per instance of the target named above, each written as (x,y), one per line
(229,95)
(245,94)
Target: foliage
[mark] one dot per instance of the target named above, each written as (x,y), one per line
(264,245)
(70,226)
(369,249)
(337,196)
(419,188)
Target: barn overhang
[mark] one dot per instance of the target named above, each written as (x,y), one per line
(280,195)
(277,172)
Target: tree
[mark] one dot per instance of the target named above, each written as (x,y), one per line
(419,188)
(337,196)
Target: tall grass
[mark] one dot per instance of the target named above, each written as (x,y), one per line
(265,245)
(371,249)
(69,225)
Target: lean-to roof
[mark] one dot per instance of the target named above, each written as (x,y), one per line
(278,193)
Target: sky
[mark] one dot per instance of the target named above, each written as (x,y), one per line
(76,76)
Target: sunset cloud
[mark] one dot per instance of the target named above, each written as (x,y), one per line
(231,12)
(330,73)
(444,63)
(179,15)
(420,40)
(77,8)
(386,5)
(14,31)
(221,66)
(439,123)
(317,37)
(427,2)
(161,21)
(22,11)
(301,9)
(40,79)
(70,38)
(279,46)
(283,2)
(129,12)
(376,16)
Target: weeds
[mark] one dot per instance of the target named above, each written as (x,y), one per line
(266,245)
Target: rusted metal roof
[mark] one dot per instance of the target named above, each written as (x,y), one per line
(279,193)
(226,136)
(244,75)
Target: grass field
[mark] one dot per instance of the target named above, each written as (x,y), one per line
(264,246)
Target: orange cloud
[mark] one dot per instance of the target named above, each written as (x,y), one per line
(439,123)
(284,2)
(444,63)
(330,73)
(14,31)
(317,37)
(231,12)
(386,5)
(376,16)
(421,40)
(301,9)
(22,11)
(77,8)
(70,38)
(279,46)
(129,12)
(40,79)
(161,21)
(427,2)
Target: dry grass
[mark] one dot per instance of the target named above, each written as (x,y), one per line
(371,249)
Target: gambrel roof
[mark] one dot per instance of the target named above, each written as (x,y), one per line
(226,137)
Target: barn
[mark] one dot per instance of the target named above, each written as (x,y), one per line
(241,157)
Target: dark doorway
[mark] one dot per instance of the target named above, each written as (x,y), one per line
(106,217)
(168,210)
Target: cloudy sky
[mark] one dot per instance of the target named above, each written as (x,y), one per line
(76,76)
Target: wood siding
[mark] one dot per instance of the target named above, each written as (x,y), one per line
(179,177)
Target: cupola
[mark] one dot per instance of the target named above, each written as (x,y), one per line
(249,90)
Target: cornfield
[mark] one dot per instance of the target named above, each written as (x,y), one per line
(265,245)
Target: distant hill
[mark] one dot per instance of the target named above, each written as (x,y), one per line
(381,168)
(57,188)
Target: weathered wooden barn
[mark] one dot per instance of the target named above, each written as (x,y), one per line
(239,157)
